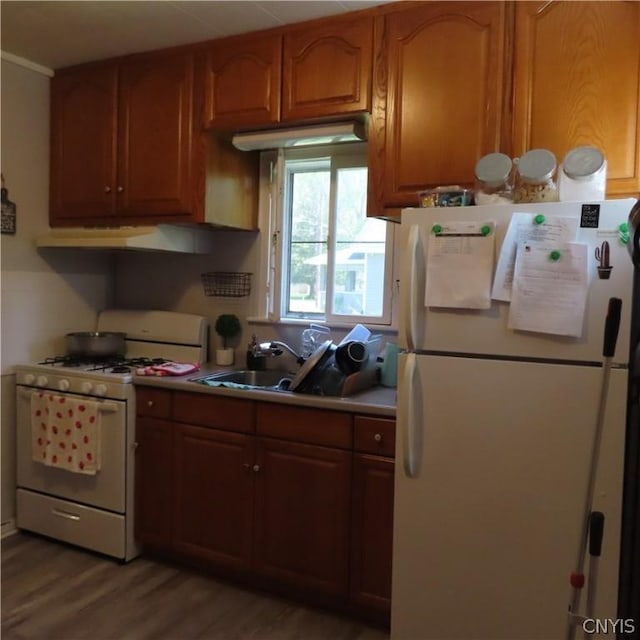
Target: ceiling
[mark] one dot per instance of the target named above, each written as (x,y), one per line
(56,34)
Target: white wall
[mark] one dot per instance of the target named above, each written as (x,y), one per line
(172,282)
(48,293)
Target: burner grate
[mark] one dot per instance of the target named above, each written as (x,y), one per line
(109,364)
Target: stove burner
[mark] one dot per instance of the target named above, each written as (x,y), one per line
(120,369)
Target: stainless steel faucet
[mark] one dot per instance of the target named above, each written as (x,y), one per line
(275,348)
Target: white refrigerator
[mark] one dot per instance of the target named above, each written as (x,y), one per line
(494,436)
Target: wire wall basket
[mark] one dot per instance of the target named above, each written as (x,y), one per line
(226,284)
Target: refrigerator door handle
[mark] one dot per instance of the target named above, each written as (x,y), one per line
(408,417)
(411,301)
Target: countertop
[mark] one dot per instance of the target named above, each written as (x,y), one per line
(376,401)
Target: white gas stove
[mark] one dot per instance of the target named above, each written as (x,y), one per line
(95,511)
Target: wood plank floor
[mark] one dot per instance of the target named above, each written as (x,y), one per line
(51,591)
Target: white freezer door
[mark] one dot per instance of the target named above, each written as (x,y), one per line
(486,533)
(485,331)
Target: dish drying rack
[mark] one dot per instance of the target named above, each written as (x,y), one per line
(226,284)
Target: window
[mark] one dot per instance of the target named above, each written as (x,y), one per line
(329,261)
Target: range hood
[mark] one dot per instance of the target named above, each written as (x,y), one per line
(162,237)
(300,136)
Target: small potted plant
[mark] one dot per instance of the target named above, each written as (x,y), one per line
(227,326)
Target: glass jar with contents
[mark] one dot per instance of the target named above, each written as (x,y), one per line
(583,175)
(536,177)
(493,179)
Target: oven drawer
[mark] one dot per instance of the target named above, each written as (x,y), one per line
(84,526)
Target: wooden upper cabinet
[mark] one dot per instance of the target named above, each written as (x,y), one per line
(243,80)
(121,141)
(83,143)
(155,128)
(438,92)
(577,82)
(327,69)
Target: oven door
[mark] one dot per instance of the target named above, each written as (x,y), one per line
(104,490)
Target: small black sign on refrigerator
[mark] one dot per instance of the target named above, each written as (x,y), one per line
(590,216)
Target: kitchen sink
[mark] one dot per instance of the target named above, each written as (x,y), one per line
(246,379)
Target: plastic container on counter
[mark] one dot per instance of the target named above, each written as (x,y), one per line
(494,179)
(451,196)
(583,175)
(536,177)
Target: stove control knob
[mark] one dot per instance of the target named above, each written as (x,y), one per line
(100,390)
(42,381)
(29,378)
(86,387)
(63,384)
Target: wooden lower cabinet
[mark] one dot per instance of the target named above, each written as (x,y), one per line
(154,482)
(262,492)
(301,527)
(213,497)
(372,531)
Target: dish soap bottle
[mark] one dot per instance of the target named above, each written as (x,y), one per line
(256,361)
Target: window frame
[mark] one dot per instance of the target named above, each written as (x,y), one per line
(273,225)
(268,283)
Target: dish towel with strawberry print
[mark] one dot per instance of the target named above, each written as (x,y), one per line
(65,432)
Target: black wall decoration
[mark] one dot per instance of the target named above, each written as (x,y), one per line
(8,211)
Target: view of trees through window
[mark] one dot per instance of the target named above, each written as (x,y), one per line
(336,255)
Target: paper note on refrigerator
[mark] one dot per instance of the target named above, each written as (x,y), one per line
(460,265)
(528,227)
(550,289)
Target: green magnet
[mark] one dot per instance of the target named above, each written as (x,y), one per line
(623,228)
(436,229)
(485,230)
(624,237)
(555,255)
(539,219)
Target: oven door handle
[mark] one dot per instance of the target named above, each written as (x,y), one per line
(105,407)
(108,407)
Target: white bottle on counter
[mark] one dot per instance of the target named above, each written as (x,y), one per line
(583,176)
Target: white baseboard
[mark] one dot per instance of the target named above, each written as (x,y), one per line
(8,529)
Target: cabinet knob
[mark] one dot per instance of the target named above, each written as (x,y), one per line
(120,189)
(107,189)
(256,468)
(149,403)
(378,437)
(135,445)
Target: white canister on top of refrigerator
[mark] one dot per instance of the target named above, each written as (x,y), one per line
(583,176)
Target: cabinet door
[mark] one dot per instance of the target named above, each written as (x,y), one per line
(154,482)
(327,69)
(213,506)
(302,515)
(83,144)
(243,82)
(577,82)
(437,97)
(155,143)
(372,531)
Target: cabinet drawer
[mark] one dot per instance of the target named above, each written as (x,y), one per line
(375,435)
(314,426)
(214,411)
(153,403)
